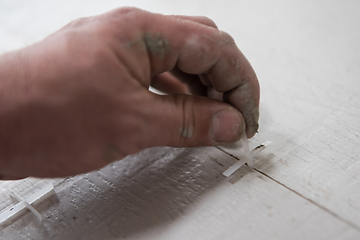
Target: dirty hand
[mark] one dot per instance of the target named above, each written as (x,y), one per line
(79,99)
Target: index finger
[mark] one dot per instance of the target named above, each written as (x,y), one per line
(199,49)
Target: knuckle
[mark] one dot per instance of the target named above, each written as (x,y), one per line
(199,53)
(208,21)
(187,127)
(124,12)
(124,23)
(79,22)
(225,38)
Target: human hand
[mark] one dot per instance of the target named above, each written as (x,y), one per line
(79,98)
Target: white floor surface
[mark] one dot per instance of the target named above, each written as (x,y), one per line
(306,185)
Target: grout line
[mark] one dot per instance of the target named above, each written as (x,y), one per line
(313,202)
(227,153)
(302,196)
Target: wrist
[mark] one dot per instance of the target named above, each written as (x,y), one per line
(14,78)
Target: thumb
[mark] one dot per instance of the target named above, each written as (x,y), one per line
(191,121)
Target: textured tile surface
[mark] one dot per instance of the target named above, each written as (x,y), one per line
(306,184)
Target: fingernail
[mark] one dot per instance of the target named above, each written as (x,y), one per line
(226,126)
(252,130)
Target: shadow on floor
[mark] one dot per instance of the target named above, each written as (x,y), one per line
(128,197)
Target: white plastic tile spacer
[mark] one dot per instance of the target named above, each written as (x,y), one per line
(25,203)
(241,162)
(246,148)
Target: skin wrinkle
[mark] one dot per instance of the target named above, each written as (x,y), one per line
(186,132)
(222,42)
(157,45)
(199,53)
(196,40)
(234,75)
(227,39)
(137,44)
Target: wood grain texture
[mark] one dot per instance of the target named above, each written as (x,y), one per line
(306,184)
(165,193)
(311,102)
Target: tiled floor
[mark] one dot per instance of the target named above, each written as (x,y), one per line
(306,185)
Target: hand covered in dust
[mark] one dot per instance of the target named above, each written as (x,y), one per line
(79,99)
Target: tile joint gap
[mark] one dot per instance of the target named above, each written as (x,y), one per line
(302,196)
(312,201)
